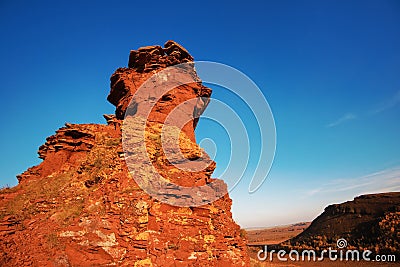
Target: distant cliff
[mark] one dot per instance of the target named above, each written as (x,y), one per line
(368,222)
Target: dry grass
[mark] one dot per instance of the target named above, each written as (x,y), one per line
(34,190)
(53,241)
(70,211)
(275,235)
(7,189)
(113,142)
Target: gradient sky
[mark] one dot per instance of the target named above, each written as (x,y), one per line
(329,70)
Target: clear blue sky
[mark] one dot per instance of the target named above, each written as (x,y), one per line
(329,70)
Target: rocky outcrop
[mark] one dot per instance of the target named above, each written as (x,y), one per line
(368,222)
(143,63)
(82,207)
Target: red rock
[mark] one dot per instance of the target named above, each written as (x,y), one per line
(81,207)
(126,81)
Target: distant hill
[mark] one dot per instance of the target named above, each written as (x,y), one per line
(274,235)
(368,222)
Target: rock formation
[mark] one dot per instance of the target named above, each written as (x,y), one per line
(82,207)
(368,222)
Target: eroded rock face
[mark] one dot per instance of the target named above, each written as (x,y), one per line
(143,63)
(81,207)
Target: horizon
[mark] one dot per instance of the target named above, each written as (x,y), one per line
(328,70)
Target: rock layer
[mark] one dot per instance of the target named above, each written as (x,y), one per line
(143,63)
(81,207)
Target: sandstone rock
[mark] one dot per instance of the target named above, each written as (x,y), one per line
(81,207)
(143,63)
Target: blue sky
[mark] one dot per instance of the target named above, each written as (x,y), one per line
(329,70)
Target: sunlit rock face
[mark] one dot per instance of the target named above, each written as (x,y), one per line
(82,207)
